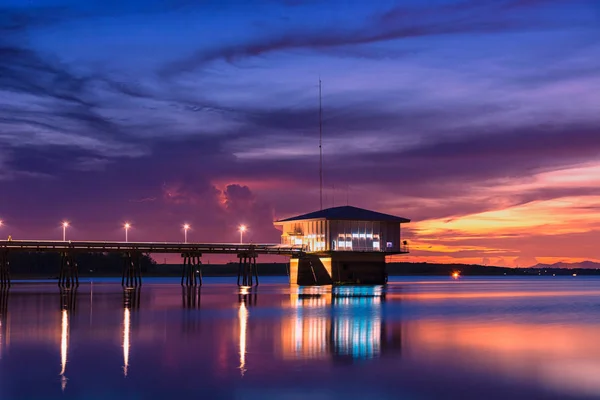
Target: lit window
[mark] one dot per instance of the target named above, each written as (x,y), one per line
(362,235)
(375,245)
(390,245)
(341,243)
(349,245)
(355,235)
(369,236)
(298,241)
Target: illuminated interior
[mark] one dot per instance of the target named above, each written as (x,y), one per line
(324,235)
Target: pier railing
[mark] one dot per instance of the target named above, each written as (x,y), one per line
(148,247)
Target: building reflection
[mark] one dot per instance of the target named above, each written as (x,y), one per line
(343,323)
(357,322)
(305,334)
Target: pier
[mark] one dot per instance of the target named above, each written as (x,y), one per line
(191,254)
(338,245)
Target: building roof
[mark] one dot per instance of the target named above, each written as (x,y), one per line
(347,213)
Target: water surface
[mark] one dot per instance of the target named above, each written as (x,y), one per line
(416,338)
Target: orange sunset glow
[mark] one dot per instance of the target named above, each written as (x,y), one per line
(559,225)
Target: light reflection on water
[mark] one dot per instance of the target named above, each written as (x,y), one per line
(418,338)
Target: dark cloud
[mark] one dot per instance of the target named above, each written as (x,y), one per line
(340,119)
(465,158)
(538,3)
(24,71)
(398,23)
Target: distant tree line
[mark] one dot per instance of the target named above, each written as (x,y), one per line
(48,264)
(432,269)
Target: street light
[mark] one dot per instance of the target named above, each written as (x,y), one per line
(65,225)
(185,229)
(242,230)
(127,226)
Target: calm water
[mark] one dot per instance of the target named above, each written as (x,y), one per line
(417,338)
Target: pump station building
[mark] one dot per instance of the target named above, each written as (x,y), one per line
(344,245)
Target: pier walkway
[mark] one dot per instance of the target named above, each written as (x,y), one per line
(131,251)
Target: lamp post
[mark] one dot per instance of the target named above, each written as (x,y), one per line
(65,225)
(126,226)
(242,230)
(185,229)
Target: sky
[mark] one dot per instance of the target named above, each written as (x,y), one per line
(476,119)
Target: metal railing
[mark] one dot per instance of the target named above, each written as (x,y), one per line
(403,249)
(147,247)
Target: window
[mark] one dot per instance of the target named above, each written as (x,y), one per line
(390,245)
(376,246)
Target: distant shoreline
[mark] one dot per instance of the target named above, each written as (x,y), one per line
(32,268)
(281,270)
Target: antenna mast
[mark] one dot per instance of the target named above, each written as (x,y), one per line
(320,147)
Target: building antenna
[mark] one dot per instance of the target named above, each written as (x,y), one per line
(333,195)
(347,194)
(320,147)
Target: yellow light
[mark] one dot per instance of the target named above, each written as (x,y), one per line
(242,228)
(65,224)
(456,275)
(186,227)
(127,225)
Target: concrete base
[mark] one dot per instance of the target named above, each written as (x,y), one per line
(309,270)
(344,267)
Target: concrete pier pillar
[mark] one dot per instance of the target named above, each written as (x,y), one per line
(247,271)
(191,272)
(69,274)
(4,269)
(132,270)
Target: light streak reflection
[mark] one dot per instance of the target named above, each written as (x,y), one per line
(64,347)
(126,345)
(243,317)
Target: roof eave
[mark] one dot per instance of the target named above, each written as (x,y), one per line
(282,221)
(399,220)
